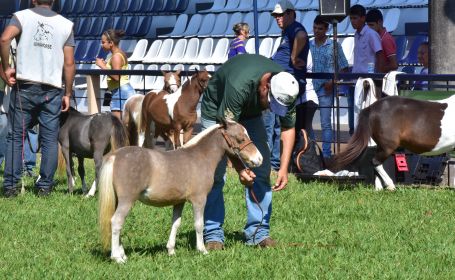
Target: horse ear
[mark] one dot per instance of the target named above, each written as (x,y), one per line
(178,72)
(224,123)
(163,72)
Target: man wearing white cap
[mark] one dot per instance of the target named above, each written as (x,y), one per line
(292,55)
(240,90)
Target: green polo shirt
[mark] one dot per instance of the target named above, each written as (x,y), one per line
(233,90)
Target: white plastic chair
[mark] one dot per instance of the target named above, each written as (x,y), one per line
(178,67)
(205,52)
(276,44)
(235,18)
(194,67)
(348,48)
(139,51)
(391,19)
(220,53)
(206,27)
(210,68)
(150,79)
(266,46)
(163,53)
(250,46)
(153,51)
(137,81)
(192,48)
(159,81)
(178,52)
(193,26)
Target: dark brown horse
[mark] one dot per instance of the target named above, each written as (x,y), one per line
(133,106)
(88,136)
(169,114)
(170,178)
(423,127)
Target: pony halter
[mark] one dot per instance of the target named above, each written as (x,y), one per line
(235,148)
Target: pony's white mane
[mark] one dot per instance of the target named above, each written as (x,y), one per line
(201,135)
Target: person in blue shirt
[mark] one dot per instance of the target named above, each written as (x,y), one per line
(237,46)
(292,55)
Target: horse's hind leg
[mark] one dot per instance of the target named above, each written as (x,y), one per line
(198,212)
(98,158)
(69,168)
(380,157)
(176,221)
(81,171)
(117,221)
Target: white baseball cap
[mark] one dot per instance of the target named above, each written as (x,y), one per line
(284,89)
(282,6)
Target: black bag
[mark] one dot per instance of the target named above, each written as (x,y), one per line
(107,98)
(308,157)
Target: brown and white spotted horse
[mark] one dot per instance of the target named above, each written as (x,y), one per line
(422,127)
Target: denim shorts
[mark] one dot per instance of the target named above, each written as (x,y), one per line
(120,95)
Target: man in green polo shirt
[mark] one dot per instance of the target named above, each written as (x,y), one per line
(241,89)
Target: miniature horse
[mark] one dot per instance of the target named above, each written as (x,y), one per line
(168,114)
(423,127)
(168,178)
(133,106)
(88,137)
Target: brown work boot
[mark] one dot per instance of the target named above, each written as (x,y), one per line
(267,243)
(214,246)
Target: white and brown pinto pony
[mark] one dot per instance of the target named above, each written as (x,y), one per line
(166,115)
(423,127)
(133,105)
(157,183)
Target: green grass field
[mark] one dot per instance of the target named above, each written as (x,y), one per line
(325,232)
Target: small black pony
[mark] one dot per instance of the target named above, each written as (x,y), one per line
(88,136)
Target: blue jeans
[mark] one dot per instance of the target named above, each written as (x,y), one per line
(325,111)
(40,104)
(29,155)
(3,133)
(273,129)
(120,95)
(214,209)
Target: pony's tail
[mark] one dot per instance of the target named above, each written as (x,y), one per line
(107,200)
(356,145)
(61,165)
(138,124)
(119,136)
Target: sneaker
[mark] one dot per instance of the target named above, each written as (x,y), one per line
(30,173)
(267,243)
(214,246)
(10,193)
(43,192)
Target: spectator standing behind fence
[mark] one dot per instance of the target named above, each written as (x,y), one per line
(291,55)
(118,85)
(367,52)
(422,57)
(45,54)
(375,21)
(3,119)
(237,46)
(322,53)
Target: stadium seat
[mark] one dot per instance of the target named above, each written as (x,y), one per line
(78,7)
(93,48)
(159,81)
(218,6)
(219,53)
(266,47)
(249,18)
(210,68)
(128,46)
(149,80)
(194,67)
(262,5)
(67,7)
(134,6)
(391,19)
(99,6)
(411,57)
(348,48)
(205,52)
(179,66)
(191,51)
(276,44)
(146,6)
(169,6)
(179,27)
(245,6)
(271,5)
(96,28)
(178,52)
(220,26)
(250,45)
(274,30)
(152,51)
(231,6)
(366,3)
(110,7)
(120,22)
(163,54)
(81,50)
(131,28)
(408,69)
(401,41)
(158,6)
(84,27)
(107,24)
(139,51)
(181,6)
(207,25)
(308,19)
(303,4)
(122,7)
(235,18)
(137,81)
(144,27)
(193,25)
(264,22)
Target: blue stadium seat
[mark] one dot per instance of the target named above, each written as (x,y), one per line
(81,50)
(144,27)
(120,23)
(181,6)
(132,26)
(122,7)
(84,27)
(402,42)
(179,27)
(78,7)
(411,58)
(408,69)
(67,7)
(96,28)
(134,6)
(99,7)
(158,6)
(218,6)
(146,6)
(93,48)
(169,6)
(108,24)
(110,7)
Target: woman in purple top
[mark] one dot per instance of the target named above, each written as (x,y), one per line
(237,46)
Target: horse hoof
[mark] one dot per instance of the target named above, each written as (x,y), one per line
(391,188)
(120,260)
(171,252)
